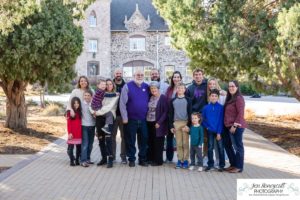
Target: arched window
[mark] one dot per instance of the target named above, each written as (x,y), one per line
(130,67)
(93,19)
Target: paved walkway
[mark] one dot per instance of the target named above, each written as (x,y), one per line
(12,159)
(47,176)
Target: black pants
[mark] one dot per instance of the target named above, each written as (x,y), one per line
(71,149)
(170,146)
(105,141)
(155,145)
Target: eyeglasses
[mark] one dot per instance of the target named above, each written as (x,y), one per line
(139,74)
(231,86)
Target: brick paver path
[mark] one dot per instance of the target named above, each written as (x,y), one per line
(48,176)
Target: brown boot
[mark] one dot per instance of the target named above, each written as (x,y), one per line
(229,168)
(235,170)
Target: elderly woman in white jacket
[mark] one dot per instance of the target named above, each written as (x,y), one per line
(109,104)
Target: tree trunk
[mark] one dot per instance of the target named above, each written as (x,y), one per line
(42,98)
(16,109)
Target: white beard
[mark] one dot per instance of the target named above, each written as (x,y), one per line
(139,82)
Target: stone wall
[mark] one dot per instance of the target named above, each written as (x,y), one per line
(120,53)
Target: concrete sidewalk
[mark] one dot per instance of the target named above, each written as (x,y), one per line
(48,176)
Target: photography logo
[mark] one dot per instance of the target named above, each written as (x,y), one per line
(268,189)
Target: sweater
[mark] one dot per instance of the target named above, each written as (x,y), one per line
(234,112)
(98,98)
(109,104)
(198,94)
(196,135)
(74,128)
(134,101)
(171,112)
(212,117)
(87,117)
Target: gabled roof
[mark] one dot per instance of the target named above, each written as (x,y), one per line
(121,8)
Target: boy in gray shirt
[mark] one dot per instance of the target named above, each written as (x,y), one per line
(180,113)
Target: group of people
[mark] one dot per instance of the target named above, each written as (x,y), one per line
(204,119)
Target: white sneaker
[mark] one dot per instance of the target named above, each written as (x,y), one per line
(200,169)
(192,167)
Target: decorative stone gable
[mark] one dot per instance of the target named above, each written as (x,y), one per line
(137,22)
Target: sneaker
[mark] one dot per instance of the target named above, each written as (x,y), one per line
(200,169)
(185,164)
(105,129)
(192,167)
(178,165)
(207,169)
(89,162)
(221,169)
(124,161)
(84,164)
(131,164)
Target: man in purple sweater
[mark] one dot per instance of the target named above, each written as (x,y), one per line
(134,106)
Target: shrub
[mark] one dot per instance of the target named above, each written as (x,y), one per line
(53,110)
(247,88)
(249,115)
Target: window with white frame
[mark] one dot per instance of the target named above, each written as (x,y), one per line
(93,19)
(137,43)
(167,41)
(93,45)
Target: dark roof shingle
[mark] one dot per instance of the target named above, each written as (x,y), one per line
(120,8)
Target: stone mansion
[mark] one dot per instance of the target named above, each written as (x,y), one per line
(129,34)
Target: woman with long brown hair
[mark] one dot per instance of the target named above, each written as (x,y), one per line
(235,125)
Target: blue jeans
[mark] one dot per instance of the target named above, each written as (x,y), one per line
(210,154)
(132,128)
(234,147)
(88,134)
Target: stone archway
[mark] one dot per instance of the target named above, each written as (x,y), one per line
(130,67)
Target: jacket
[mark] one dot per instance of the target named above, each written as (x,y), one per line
(212,117)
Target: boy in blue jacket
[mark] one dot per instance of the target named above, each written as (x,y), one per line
(213,116)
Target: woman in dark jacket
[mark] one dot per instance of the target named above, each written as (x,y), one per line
(235,124)
(157,124)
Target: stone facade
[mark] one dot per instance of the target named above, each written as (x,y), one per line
(101,33)
(114,47)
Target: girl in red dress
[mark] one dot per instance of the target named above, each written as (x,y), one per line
(74,131)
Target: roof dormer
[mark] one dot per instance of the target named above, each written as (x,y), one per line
(137,22)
